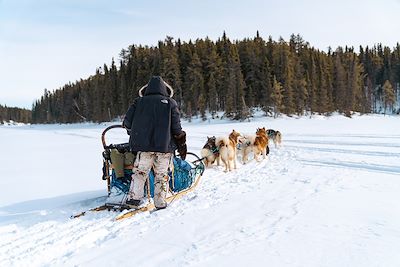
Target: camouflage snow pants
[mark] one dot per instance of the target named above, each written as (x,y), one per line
(160,162)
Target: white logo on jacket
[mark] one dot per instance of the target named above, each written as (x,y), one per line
(165,101)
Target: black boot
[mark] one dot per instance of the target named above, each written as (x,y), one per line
(132,203)
(161,208)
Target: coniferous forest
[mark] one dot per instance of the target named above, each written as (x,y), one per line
(278,77)
(15,114)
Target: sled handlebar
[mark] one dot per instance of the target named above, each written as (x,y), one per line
(103,134)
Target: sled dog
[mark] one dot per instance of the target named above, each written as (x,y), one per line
(228,149)
(246,146)
(261,144)
(210,152)
(276,137)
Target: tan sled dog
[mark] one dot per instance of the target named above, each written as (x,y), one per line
(227,149)
(246,146)
(260,143)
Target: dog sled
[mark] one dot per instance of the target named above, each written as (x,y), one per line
(184,176)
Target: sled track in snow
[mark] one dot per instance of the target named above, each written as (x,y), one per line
(352,165)
(343,143)
(368,157)
(346,151)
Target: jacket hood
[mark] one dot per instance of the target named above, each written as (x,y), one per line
(156,86)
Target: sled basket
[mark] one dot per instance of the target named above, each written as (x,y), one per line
(181,177)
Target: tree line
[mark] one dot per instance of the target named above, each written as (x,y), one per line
(279,77)
(14,114)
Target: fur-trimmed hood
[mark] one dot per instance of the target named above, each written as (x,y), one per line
(156,86)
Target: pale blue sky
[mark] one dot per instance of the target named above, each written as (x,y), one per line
(47,43)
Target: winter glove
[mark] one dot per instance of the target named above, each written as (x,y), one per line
(182,151)
(180,141)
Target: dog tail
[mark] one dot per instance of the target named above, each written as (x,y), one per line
(222,142)
(251,139)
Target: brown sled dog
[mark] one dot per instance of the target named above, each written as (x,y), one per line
(227,149)
(210,152)
(261,143)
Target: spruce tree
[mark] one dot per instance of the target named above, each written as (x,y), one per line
(240,107)
(202,106)
(300,88)
(123,96)
(170,69)
(194,85)
(389,96)
(286,73)
(230,93)
(356,85)
(322,95)
(312,82)
(340,83)
(277,97)
(213,75)
(212,91)
(242,111)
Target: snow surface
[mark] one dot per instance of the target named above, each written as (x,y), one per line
(328,197)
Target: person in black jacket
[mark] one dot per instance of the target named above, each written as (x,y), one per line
(153,123)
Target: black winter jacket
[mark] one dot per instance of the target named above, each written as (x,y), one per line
(153,119)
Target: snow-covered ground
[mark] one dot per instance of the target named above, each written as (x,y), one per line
(328,197)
